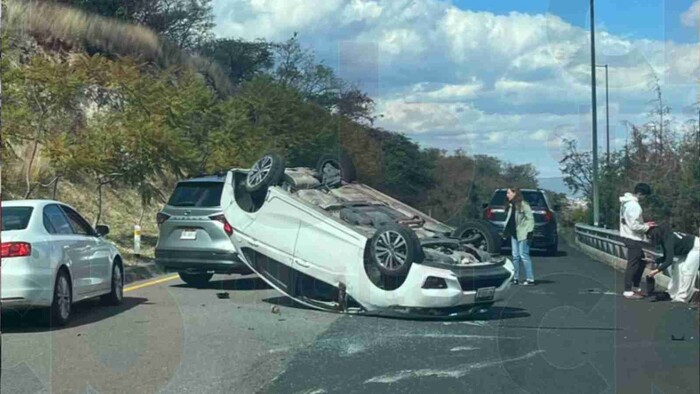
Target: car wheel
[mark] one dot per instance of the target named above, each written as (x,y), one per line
(335,167)
(196,280)
(60,311)
(115,296)
(267,171)
(553,250)
(393,249)
(478,233)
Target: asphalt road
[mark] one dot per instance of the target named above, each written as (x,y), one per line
(571,333)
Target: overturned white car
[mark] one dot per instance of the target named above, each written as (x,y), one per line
(333,244)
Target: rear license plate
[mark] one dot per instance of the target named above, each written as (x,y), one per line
(188,234)
(485,294)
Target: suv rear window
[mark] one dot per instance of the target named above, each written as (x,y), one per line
(16,218)
(534,198)
(197,194)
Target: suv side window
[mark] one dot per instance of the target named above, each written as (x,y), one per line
(80,225)
(55,221)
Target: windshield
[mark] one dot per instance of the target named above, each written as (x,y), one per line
(16,218)
(197,194)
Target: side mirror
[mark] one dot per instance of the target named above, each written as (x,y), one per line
(485,205)
(102,230)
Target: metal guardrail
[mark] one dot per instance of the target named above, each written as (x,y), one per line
(611,243)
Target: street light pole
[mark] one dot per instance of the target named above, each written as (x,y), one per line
(596,206)
(607,116)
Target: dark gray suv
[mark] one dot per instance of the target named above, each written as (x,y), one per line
(545,234)
(194,234)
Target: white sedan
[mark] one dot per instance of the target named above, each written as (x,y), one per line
(333,244)
(52,257)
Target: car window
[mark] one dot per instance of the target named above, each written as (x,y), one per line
(197,194)
(55,221)
(499,199)
(535,199)
(16,218)
(79,225)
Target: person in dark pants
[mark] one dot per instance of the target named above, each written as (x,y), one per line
(633,231)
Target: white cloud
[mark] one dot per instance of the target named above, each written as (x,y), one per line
(540,135)
(447,76)
(690,17)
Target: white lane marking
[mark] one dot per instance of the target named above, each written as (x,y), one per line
(462,336)
(353,348)
(455,373)
(278,350)
(463,348)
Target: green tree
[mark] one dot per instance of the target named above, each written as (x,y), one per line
(242,60)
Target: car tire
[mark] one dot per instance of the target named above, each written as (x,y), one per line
(61,307)
(116,295)
(553,250)
(342,162)
(195,280)
(479,234)
(266,172)
(393,249)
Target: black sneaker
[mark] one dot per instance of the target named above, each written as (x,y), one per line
(514,281)
(529,282)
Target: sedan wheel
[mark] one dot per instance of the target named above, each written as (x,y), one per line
(60,311)
(116,295)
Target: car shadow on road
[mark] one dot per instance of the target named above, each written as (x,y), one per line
(247,283)
(83,313)
(492,313)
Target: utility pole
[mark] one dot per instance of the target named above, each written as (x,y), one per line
(607,116)
(594,111)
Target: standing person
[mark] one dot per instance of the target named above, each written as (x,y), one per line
(684,271)
(520,224)
(633,230)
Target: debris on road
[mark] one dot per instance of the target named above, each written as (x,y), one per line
(223,296)
(275,309)
(675,338)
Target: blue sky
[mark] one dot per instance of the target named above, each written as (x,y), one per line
(652,19)
(505,78)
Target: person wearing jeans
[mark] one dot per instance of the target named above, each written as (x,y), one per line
(520,224)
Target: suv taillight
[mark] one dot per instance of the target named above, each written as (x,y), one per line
(161,218)
(16,249)
(222,219)
(548,215)
(488,215)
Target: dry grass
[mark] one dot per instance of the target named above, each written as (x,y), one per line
(48,21)
(121,207)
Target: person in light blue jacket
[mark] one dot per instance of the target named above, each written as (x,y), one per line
(520,224)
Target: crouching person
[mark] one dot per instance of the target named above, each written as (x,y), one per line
(683,272)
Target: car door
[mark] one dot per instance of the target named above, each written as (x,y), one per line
(72,250)
(95,252)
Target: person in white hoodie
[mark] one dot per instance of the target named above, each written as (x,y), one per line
(633,229)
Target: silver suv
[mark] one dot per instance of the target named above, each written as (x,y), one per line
(194,234)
